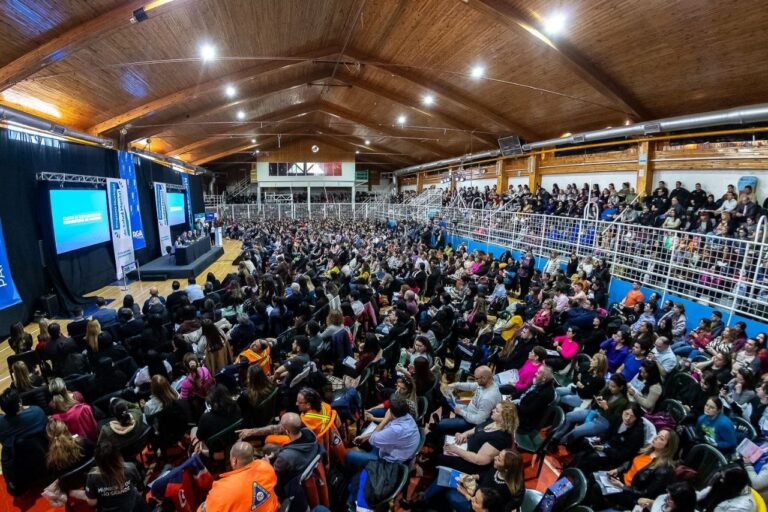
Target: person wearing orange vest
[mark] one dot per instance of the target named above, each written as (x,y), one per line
(315,415)
(249,486)
(259,352)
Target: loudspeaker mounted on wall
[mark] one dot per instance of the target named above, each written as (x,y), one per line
(510,146)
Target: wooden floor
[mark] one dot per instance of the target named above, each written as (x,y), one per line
(140,292)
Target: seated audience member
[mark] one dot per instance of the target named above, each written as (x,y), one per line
(663,356)
(19,424)
(162,396)
(680,497)
(197,381)
(176,299)
(631,365)
(64,353)
(404,389)
(193,290)
(728,490)
(65,450)
(567,347)
(395,439)
(106,316)
(257,388)
(21,341)
(155,366)
(251,485)
(645,388)
(614,448)
(528,371)
(615,350)
(534,401)
(293,458)
(214,347)
(113,484)
(296,363)
(484,442)
(77,416)
(646,476)
(29,385)
(486,396)
(587,383)
(505,477)
(633,296)
(128,323)
(605,411)
(150,305)
(127,426)
(715,427)
(99,343)
(222,412)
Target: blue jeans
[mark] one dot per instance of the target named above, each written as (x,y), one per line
(379,413)
(598,425)
(681,348)
(454,498)
(359,458)
(450,426)
(564,395)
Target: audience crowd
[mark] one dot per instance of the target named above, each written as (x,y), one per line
(341,357)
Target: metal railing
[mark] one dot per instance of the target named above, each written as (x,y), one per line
(730,274)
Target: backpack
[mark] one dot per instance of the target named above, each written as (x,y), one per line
(381,481)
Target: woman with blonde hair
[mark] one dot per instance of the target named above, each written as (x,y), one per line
(163,396)
(77,416)
(65,451)
(647,475)
(587,382)
(334,322)
(43,337)
(23,380)
(484,442)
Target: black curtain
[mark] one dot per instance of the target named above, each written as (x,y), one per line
(25,210)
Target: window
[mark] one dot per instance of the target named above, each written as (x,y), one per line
(305,169)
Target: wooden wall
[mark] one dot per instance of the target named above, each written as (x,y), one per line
(301,151)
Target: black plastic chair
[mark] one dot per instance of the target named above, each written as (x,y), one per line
(220,443)
(579,491)
(131,451)
(679,387)
(75,478)
(552,419)
(706,460)
(422,404)
(744,429)
(675,409)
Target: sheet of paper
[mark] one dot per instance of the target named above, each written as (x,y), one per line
(452,440)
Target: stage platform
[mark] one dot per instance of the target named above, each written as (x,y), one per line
(165,267)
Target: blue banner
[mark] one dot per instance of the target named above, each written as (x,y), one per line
(9,295)
(128,173)
(185,183)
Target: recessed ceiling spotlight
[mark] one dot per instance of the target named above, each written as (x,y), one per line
(240,115)
(554,24)
(257,151)
(230,91)
(477,72)
(627,122)
(428,99)
(207,53)
(401,119)
(367,142)
(566,134)
(357,151)
(253,141)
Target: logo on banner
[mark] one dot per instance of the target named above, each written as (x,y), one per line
(127,172)
(122,240)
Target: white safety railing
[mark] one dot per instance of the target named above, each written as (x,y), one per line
(727,273)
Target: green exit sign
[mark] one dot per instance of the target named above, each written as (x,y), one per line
(361,175)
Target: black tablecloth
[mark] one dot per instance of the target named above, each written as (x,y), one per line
(188,254)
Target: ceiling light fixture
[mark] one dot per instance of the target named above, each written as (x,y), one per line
(357,151)
(477,72)
(257,151)
(253,141)
(240,115)
(367,142)
(401,119)
(627,122)
(207,53)
(230,91)
(554,24)
(428,99)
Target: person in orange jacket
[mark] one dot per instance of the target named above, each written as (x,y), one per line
(249,486)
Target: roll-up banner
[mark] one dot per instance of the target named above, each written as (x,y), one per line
(9,295)
(185,183)
(128,173)
(163,228)
(120,225)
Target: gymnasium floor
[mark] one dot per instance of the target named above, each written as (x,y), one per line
(140,292)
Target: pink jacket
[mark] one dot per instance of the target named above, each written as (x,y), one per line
(526,374)
(79,420)
(200,389)
(570,347)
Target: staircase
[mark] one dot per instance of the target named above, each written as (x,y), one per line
(239,187)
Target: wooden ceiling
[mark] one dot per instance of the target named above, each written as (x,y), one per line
(344,70)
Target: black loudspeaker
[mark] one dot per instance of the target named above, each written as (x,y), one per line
(510,146)
(50,305)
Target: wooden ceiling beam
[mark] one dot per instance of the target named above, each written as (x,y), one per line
(445,91)
(265,92)
(226,152)
(344,138)
(243,131)
(336,110)
(206,87)
(66,44)
(510,16)
(410,103)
